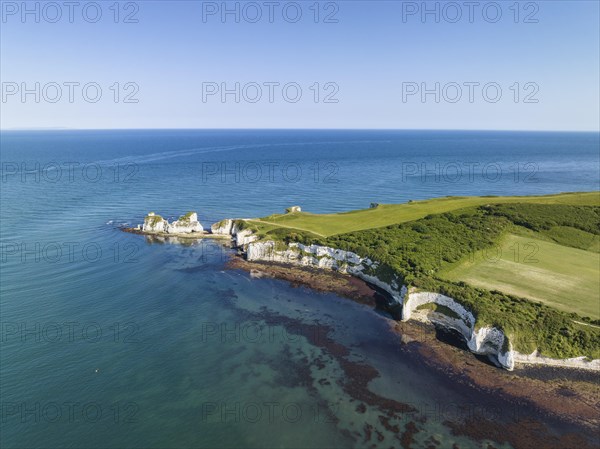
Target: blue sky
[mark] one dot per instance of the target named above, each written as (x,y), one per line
(367,63)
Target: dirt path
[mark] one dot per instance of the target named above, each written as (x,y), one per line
(279,225)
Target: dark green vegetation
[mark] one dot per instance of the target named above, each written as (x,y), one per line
(440,309)
(567,225)
(153,220)
(420,252)
(185,218)
(560,276)
(326,225)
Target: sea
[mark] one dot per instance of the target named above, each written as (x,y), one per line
(111,340)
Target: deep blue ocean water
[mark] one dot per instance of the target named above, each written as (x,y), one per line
(108,340)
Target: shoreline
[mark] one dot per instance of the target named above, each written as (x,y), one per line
(181,235)
(318,280)
(545,388)
(360,290)
(485,339)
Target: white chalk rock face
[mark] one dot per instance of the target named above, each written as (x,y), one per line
(154,223)
(223,227)
(486,340)
(337,255)
(535,358)
(186,224)
(490,341)
(323,257)
(244,237)
(416,299)
(262,251)
(507,359)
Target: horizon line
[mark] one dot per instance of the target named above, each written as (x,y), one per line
(301,129)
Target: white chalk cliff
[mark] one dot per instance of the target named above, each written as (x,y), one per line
(322,257)
(485,340)
(154,223)
(223,227)
(186,224)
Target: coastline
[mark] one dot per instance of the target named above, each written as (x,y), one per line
(485,339)
(531,385)
(318,280)
(427,303)
(425,319)
(180,235)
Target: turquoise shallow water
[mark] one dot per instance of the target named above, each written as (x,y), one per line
(110,341)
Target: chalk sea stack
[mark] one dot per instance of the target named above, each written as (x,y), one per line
(186,224)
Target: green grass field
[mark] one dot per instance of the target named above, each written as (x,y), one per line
(326,225)
(560,276)
(539,282)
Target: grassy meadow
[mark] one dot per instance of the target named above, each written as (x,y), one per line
(325,225)
(528,265)
(560,276)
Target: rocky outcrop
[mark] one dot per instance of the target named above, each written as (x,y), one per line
(241,237)
(492,342)
(223,227)
(462,320)
(486,340)
(244,237)
(186,224)
(324,257)
(154,223)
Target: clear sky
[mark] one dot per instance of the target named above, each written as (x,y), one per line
(371,61)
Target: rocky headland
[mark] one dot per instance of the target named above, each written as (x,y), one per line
(185,227)
(405,303)
(411,304)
